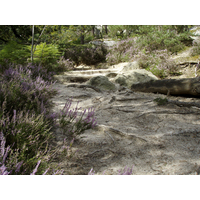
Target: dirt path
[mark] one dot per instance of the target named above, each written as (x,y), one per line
(133,130)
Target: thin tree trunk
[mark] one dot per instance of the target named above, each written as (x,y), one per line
(106,29)
(82,38)
(39,38)
(32,44)
(93,27)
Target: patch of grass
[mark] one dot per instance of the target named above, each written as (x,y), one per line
(161,101)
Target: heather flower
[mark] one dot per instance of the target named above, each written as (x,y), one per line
(91,172)
(3,170)
(35,170)
(126,171)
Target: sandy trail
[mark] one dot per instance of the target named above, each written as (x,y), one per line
(133,130)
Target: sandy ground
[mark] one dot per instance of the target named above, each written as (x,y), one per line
(132,130)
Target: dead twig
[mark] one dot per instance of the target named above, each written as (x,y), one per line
(96,151)
(110,136)
(129,99)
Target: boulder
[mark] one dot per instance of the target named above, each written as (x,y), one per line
(102,83)
(128,78)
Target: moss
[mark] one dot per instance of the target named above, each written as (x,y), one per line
(161,101)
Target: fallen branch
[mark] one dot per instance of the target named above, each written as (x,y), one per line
(187,86)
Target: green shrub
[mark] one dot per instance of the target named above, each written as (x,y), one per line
(160,40)
(158,62)
(64,65)
(86,54)
(23,92)
(73,121)
(196,48)
(46,55)
(28,135)
(14,52)
(123,51)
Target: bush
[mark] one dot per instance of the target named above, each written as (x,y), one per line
(86,54)
(128,49)
(15,53)
(196,48)
(123,51)
(65,65)
(28,135)
(158,62)
(74,121)
(160,40)
(26,121)
(46,55)
(21,92)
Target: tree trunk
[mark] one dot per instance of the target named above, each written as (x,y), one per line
(32,44)
(106,29)
(187,86)
(82,38)
(93,27)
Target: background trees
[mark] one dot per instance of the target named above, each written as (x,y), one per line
(53,43)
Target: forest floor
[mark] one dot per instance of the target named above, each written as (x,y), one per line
(133,130)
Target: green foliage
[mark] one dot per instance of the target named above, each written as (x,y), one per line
(158,62)
(86,54)
(161,101)
(64,65)
(46,54)
(19,33)
(195,51)
(74,122)
(116,31)
(14,53)
(28,135)
(160,40)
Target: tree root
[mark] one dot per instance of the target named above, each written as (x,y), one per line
(107,129)
(84,86)
(185,104)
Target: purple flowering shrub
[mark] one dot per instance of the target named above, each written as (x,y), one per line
(27,135)
(39,70)
(158,62)
(10,165)
(123,51)
(74,121)
(65,65)
(26,121)
(25,117)
(22,92)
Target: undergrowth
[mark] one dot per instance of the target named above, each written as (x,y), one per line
(27,123)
